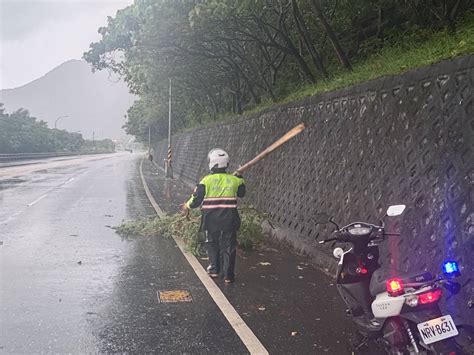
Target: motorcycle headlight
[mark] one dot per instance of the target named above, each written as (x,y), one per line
(358,229)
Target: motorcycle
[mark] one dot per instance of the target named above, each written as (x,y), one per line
(397,310)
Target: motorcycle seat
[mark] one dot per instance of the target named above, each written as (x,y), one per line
(380,277)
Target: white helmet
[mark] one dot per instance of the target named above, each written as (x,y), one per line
(217,158)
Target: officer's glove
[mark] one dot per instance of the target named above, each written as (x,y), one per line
(185,210)
(238,173)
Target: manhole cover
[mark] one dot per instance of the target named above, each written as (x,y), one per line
(174,296)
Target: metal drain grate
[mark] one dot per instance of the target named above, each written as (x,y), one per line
(174,296)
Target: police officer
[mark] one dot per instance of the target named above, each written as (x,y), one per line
(217,195)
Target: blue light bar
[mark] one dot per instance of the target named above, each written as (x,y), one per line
(451,269)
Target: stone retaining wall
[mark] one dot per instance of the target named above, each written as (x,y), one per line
(403,139)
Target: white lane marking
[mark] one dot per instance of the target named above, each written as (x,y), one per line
(68,181)
(156,207)
(5,221)
(37,200)
(46,194)
(245,334)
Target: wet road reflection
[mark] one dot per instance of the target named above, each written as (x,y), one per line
(57,254)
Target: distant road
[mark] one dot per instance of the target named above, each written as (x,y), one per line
(27,166)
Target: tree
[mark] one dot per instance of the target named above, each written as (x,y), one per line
(22,133)
(334,40)
(226,56)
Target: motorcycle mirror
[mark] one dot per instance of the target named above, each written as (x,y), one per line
(321,218)
(338,253)
(395,210)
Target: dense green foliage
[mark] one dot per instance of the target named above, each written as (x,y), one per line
(21,133)
(249,236)
(225,56)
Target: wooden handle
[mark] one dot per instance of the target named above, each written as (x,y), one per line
(290,134)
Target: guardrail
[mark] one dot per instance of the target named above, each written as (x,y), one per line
(4,158)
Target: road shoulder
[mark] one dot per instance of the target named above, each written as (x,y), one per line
(291,306)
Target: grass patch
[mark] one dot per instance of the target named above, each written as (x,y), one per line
(249,236)
(406,51)
(410,51)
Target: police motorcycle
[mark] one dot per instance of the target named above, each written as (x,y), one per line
(398,311)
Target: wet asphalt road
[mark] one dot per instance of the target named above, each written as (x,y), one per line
(69,283)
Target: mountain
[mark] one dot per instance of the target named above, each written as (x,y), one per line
(95,103)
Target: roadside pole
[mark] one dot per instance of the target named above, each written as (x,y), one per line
(168,166)
(149,139)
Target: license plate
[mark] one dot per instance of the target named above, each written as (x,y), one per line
(437,329)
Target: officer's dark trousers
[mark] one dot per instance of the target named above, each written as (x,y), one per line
(221,249)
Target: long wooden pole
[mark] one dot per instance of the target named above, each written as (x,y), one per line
(290,134)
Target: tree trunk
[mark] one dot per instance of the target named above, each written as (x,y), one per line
(303,30)
(289,46)
(332,36)
(238,95)
(451,15)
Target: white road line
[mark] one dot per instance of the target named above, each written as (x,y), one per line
(245,334)
(42,197)
(37,200)
(156,207)
(68,181)
(46,194)
(10,218)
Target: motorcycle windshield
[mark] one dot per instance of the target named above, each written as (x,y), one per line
(393,224)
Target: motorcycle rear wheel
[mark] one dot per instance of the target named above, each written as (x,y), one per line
(446,347)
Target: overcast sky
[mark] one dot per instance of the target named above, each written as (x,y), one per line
(38,35)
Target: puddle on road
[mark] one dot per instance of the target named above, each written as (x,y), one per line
(60,170)
(11,182)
